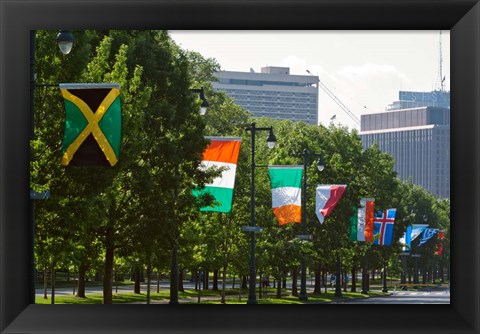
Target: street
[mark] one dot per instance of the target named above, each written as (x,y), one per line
(405,297)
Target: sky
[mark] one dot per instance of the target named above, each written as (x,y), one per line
(365,70)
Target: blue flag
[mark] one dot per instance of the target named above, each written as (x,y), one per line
(427,234)
(412,232)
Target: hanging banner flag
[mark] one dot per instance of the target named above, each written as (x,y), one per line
(439,246)
(361,223)
(411,234)
(383,227)
(93,124)
(364,220)
(327,198)
(427,234)
(286,182)
(221,152)
(354,225)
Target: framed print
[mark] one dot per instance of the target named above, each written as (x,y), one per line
(17,18)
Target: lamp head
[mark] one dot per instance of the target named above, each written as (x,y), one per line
(320,164)
(203,107)
(271,139)
(65,41)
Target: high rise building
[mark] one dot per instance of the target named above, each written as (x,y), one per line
(407,99)
(273,93)
(416,132)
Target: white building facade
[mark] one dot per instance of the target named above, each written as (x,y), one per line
(273,93)
(418,139)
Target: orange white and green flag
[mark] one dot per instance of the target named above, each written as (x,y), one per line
(222,152)
(286,182)
(361,223)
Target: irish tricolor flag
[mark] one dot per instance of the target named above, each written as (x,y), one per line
(221,152)
(327,197)
(286,184)
(361,223)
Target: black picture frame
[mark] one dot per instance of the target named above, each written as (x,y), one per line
(461,17)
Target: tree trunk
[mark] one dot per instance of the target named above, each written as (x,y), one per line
(279,288)
(354,279)
(180,281)
(74,285)
(149,274)
(107,277)
(205,280)
(45,283)
(284,282)
(158,282)
(215,280)
(199,280)
(368,281)
(324,283)
(224,282)
(82,270)
(294,282)
(233,282)
(52,278)
(318,285)
(244,282)
(136,288)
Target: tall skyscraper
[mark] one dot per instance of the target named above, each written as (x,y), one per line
(273,93)
(416,132)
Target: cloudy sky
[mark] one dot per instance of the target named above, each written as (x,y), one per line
(365,70)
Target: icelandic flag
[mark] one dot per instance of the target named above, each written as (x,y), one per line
(383,227)
(427,234)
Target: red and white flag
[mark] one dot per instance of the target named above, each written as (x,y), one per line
(327,197)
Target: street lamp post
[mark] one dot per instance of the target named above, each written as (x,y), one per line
(65,43)
(252,299)
(320,166)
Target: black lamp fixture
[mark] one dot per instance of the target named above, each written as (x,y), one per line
(204,105)
(65,41)
(320,164)
(271,139)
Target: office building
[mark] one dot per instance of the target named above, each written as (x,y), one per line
(418,138)
(273,93)
(408,99)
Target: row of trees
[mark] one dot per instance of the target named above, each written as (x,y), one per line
(141,216)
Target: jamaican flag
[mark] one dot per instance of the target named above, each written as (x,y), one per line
(93,122)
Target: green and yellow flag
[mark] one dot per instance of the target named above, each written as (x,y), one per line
(93,124)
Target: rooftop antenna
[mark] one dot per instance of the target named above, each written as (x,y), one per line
(441,77)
